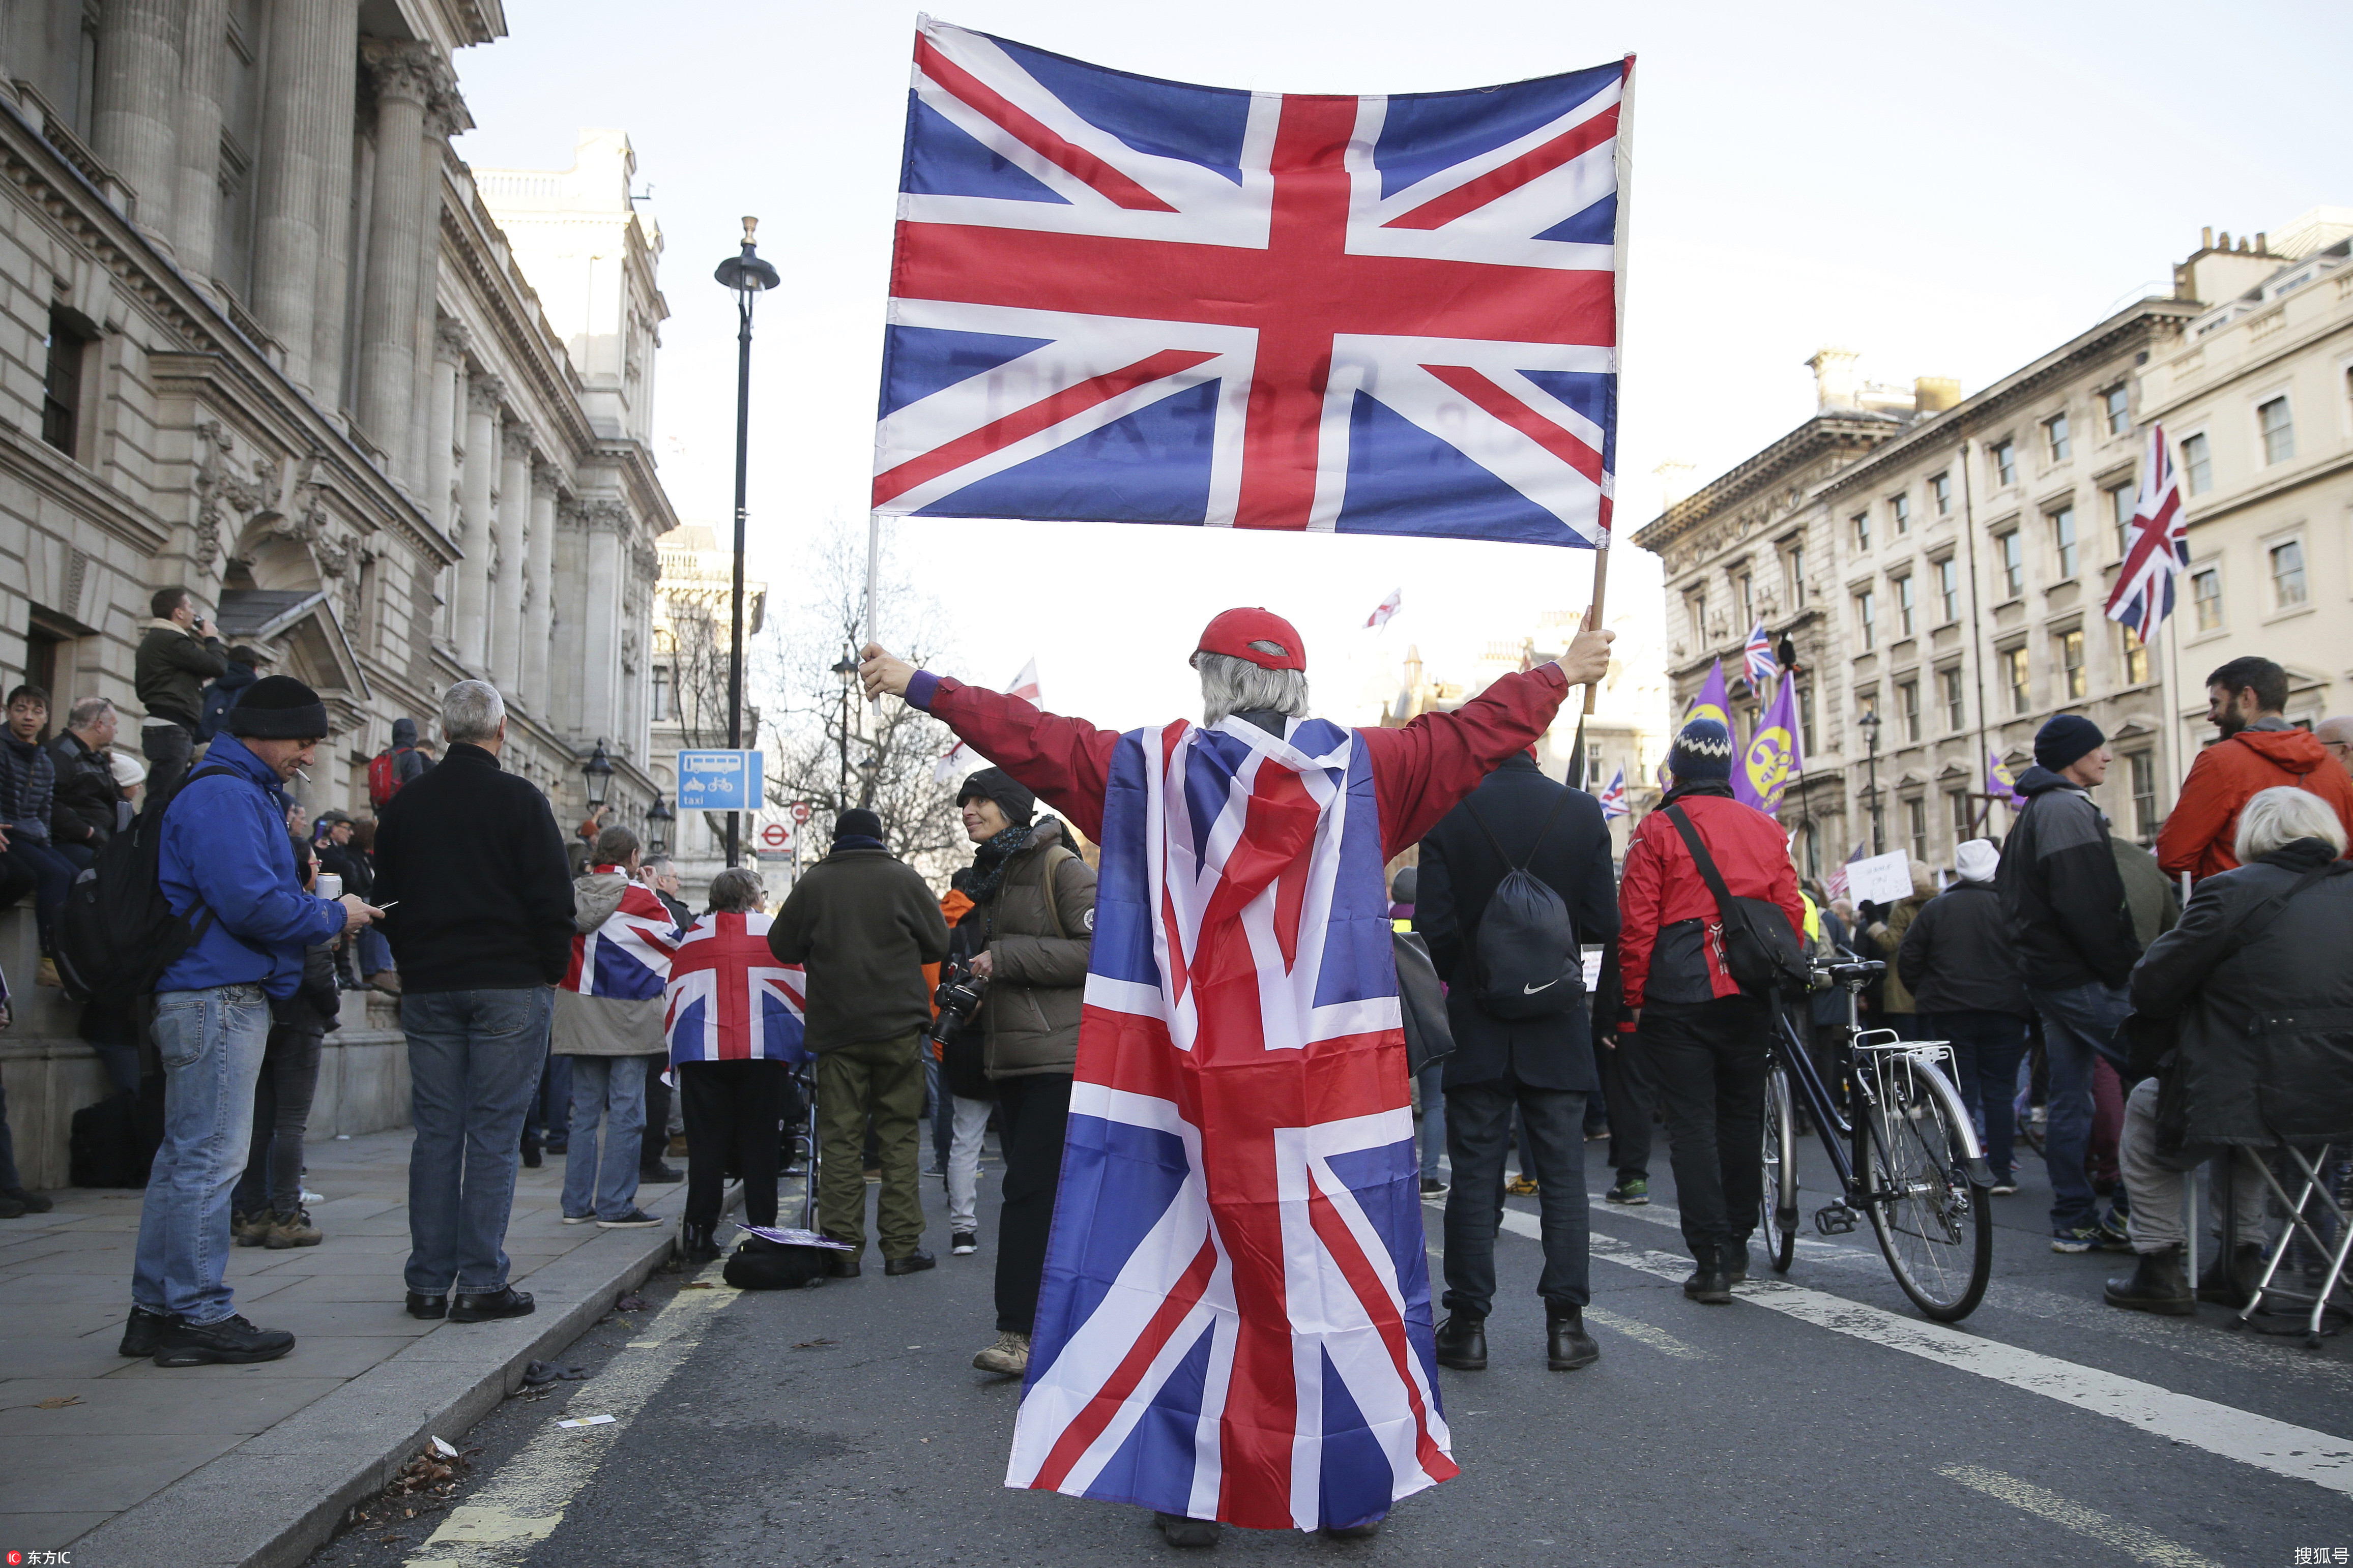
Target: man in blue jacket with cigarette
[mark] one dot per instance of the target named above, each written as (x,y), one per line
(226,865)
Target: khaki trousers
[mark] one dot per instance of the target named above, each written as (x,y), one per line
(883,1079)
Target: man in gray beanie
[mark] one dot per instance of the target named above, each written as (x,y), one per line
(2065,902)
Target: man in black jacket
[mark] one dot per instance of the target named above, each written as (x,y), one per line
(180,650)
(82,812)
(1516,818)
(1961,967)
(470,862)
(2065,903)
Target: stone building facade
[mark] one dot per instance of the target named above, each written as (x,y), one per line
(262,333)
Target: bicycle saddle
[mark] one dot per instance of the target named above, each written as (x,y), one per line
(1849,973)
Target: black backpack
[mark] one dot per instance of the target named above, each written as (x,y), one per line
(1525,962)
(117,932)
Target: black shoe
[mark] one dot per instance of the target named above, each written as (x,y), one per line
(635,1219)
(1462,1342)
(1734,1261)
(1433,1187)
(1183,1531)
(1568,1346)
(230,1340)
(33,1203)
(1364,1532)
(144,1331)
(1709,1284)
(660,1175)
(914,1262)
(482,1306)
(558,1146)
(843,1266)
(420,1305)
(964,1243)
(2232,1283)
(531,1154)
(2157,1285)
(696,1245)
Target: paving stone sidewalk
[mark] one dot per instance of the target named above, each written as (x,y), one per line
(233,1463)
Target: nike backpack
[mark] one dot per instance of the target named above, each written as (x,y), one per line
(1524,961)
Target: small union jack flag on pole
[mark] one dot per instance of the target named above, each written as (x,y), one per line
(1116,298)
(1614,799)
(2157,545)
(1762,665)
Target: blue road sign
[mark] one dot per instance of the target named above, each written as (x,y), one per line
(719,781)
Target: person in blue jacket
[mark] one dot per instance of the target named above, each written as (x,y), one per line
(227,865)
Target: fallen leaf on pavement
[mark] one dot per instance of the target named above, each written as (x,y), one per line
(60,1403)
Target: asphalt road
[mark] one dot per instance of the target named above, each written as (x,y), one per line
(1820,1421)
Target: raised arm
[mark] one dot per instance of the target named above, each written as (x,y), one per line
(1065,762)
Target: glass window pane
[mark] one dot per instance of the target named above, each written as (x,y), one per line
(2197,464)
(2062,538)
(2288,573)
(2279,431)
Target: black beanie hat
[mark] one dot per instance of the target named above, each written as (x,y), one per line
(995,783)
(857,823)
(278,708)
(2064,739)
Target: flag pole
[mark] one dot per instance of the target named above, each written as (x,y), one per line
(1622,157)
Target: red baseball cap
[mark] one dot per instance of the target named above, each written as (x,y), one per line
(1233,632)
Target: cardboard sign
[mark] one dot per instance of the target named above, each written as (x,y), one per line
(1880,879)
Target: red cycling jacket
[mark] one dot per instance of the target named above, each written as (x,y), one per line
(1661,886)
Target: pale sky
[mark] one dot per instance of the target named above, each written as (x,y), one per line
(1949,192)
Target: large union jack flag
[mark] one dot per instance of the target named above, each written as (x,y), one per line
(1122,299)
(729,1000)
(2157,545)
(1235,1322)
(627,957)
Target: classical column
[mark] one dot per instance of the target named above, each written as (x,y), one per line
(445,115)
(483,395)
(297,140)
(568,590)
(607,563)
(136,121)
(340,87)
(404,77)
(514,528)
(196,208)
(539,588)
(442,435)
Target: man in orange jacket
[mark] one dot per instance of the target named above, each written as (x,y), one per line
(2259,750)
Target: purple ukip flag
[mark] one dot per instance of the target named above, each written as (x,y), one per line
(1774,756)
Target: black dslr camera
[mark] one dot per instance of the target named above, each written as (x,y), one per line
(957,998)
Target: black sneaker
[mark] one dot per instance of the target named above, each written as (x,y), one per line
(660,1175)
(1433,1187)
(484,1306)
(33,1203)
(232,1339)
(144,1331)
(914,1262)
(964,1244)
(636,1219)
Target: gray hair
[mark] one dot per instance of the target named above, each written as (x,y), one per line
(2282,815)
(471,711)
(87,712)
(736,889)
(1230,684)
(614,844)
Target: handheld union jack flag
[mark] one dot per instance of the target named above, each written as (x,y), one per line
(2158,544)
(1235,1322)
(1614,799)
(1120,300)
(627,957)
(729,1000)
(1762,665)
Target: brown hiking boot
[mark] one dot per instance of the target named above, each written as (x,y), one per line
(294,1229)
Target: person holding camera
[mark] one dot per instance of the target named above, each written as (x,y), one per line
(1032,924)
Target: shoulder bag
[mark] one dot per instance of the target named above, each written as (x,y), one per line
(1760,950)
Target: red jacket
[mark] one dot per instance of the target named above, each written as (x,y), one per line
(1418,772)
(1661,886)
(2200,834)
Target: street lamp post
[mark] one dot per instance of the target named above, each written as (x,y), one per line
(658,816)
(1870,722)
(845,672)
(748,276)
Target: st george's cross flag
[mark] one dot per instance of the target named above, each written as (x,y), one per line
(1117,298)
(2157,545)
(728,999)
(1384,609)
(960,760)
(1758,651)
(627,957)
(1235,1322)
(1614,799)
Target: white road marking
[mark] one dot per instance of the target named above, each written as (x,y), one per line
(2240,1435)
(1658,1338)
(525,1499)
(2143,1544)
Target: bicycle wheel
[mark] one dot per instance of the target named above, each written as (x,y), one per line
(1930,1217)
(1777,1216)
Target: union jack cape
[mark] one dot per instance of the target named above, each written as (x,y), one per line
(1235,1322)
(626,959)
(728,999)
(1116,298)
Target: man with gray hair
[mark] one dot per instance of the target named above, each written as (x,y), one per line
(82,812)
(2335,734)
(471,863)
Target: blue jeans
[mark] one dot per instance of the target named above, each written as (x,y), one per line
(375,953)
(943,1112)
(2079,1026)
(211,1043)
(600,1168)
(1433,1118)
(551,1106)
(1986,1049)
(52,875)
(473,1061)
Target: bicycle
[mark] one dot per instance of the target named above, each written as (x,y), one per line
(1915,1169)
